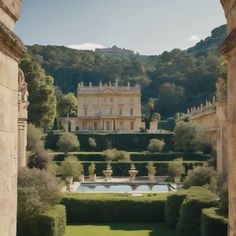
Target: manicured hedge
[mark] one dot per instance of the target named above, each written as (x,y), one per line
(191,209)
(112,208)
(122,141)
(172,208)
(142,156)
(213,223)
(49,223)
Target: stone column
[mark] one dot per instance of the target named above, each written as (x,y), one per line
(228,49)
(11,49)
(22,119)
(222,135)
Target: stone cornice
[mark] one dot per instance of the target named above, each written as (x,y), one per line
(229,44)
(12,9)
(10,43)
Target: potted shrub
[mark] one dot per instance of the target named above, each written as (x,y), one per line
(151,171)
(91,170)
(176,169)
(71,168)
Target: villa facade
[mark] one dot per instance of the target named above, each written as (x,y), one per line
(108,108)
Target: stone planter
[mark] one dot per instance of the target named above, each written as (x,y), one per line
(177,180)
(93,178)
(81,178)
(69,180)
(133,174)
(107,173)
(151,177)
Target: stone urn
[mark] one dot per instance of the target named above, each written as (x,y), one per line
(133,172)
(69,182)
(93,178)
(108,172)
(81,178)
(177,180)
(151,177)
(69,179)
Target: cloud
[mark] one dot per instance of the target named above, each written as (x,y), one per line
(193,38)
(86,46)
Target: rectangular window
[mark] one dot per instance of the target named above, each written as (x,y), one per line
(85,100)
(95,125)
(105,100)
(120,112)
(131,111)
(85,111)
(132,125)
(120,101)
(107,125)
(111,100)
(84,126)
(121,124)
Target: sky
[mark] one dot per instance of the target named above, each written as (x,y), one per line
(145,26)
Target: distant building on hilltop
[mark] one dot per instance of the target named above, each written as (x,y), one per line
(107,107)
(115,51)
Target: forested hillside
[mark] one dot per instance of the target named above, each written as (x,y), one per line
(174,80)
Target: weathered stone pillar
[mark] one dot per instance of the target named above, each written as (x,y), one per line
(228,49)
(222,135)
(22,119)
(11,49)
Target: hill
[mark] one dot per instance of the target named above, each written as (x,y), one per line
(170,82)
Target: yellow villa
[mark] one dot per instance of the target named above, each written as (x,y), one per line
(107,107)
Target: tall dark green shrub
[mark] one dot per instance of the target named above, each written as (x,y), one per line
(172,208)
(213,223)
(191,210)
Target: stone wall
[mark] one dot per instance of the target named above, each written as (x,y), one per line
(228,49)
(11,48)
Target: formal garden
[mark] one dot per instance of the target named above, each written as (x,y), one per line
(195,205)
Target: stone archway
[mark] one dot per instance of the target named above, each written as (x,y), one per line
(11,49)
(228,49)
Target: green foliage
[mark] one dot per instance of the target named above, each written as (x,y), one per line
(116,155)
(92,143)
(170,100)
(121,141)
(190,72)
(53,168)
(156,145)
(68,142)
(49,223)
(176,168)
(37,190)
(210,44)
(151,168)
(172,208)
(187,136)
(156,116)
(67,105)
(42,99)
(191,210)
(213,223)
(224,198)
(71,166)
(39,159)
(96,208)
(200,176)
(91,169)
(222,69)
(35,137)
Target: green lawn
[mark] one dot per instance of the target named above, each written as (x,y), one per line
(119,229)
